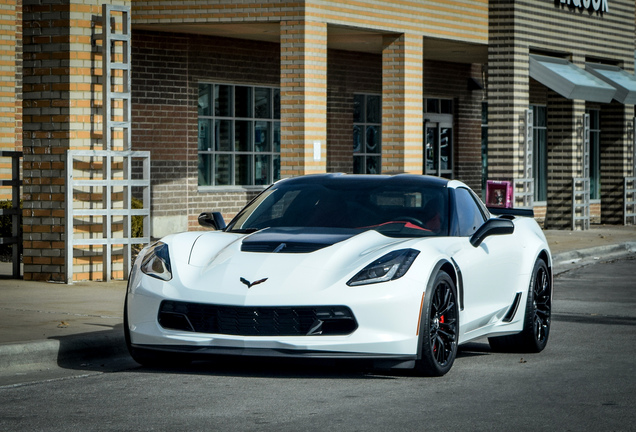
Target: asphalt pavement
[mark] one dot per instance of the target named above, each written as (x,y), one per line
(44,325)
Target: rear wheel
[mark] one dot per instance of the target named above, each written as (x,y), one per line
(536,328)
(151,358)
(439,327)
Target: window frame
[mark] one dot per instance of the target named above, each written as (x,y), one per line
(595,154)
(456,228)
(363,154)
(540,155)
(242,161)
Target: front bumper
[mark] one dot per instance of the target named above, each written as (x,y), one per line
(386,317)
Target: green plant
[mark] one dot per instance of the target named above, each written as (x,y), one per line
(137,226)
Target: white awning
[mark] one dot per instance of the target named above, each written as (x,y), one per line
(624,82)
(568,80)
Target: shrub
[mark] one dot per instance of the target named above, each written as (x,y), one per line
(137,225)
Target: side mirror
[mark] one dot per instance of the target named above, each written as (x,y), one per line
(492,227)
(212,220)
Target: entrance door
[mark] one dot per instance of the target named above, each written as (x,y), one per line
(438,154)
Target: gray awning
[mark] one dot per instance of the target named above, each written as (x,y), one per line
(568,80)
(625,83)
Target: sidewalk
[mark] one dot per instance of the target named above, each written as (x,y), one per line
(49,325)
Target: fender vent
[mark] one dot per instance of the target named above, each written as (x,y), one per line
(513,309)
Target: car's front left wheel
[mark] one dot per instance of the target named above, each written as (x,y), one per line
(439,327)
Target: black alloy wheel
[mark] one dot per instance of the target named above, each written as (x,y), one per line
(536,328)
(541,304)
(438,328)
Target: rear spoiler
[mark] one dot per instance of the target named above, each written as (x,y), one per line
(522,212)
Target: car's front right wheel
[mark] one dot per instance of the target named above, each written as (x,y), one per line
(438,327)
(536,328)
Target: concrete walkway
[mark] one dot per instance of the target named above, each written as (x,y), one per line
(49,324)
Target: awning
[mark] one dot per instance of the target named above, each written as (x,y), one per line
(568,80)
(623,82)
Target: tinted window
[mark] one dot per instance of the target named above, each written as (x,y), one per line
(393,209)
(469,216)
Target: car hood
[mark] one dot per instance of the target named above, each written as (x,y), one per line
(274,262)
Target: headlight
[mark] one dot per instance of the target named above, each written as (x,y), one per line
(156,262)
(391,266)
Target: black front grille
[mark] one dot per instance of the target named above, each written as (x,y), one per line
(257,321)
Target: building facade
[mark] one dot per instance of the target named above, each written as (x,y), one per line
(227,97)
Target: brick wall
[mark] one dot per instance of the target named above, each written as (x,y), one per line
(167,69)
(615,159)
(402,121)
(163,121)
(47,93)
(463,20)
(61,111)
(303,102)
(349,73)
(564,153)
(516,30)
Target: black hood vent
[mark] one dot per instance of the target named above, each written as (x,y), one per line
(294,240)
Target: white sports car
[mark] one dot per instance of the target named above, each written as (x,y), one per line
(398,269)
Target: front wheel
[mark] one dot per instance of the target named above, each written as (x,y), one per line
(536,328)
(439,327)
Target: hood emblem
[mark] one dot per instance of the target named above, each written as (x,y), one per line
(251,284)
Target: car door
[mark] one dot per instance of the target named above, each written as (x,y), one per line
(488,270)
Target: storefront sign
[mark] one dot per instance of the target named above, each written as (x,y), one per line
(593,5)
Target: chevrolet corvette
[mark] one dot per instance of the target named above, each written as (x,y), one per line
(399,270)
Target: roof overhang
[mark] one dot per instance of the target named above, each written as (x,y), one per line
(568,80)
(622,81)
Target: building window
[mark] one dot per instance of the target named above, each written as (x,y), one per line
(595,154)
(239,135)
(438,106)
(367,134)
(438,137)
(540,152)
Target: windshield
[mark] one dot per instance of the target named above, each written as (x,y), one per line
(396,209)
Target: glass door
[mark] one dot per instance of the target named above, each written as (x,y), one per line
(438,153)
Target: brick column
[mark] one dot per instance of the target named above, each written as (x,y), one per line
(10,82)
(303,94)
(616,160)
(402,122)
(508,93)
(59,114)
(565,157)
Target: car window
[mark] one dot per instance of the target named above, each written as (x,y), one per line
(400,210)
(469,215)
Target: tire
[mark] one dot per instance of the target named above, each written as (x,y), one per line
(439,327)
(536,328)
(151,358)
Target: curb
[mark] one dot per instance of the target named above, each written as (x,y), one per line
(567,261)
(68,351)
